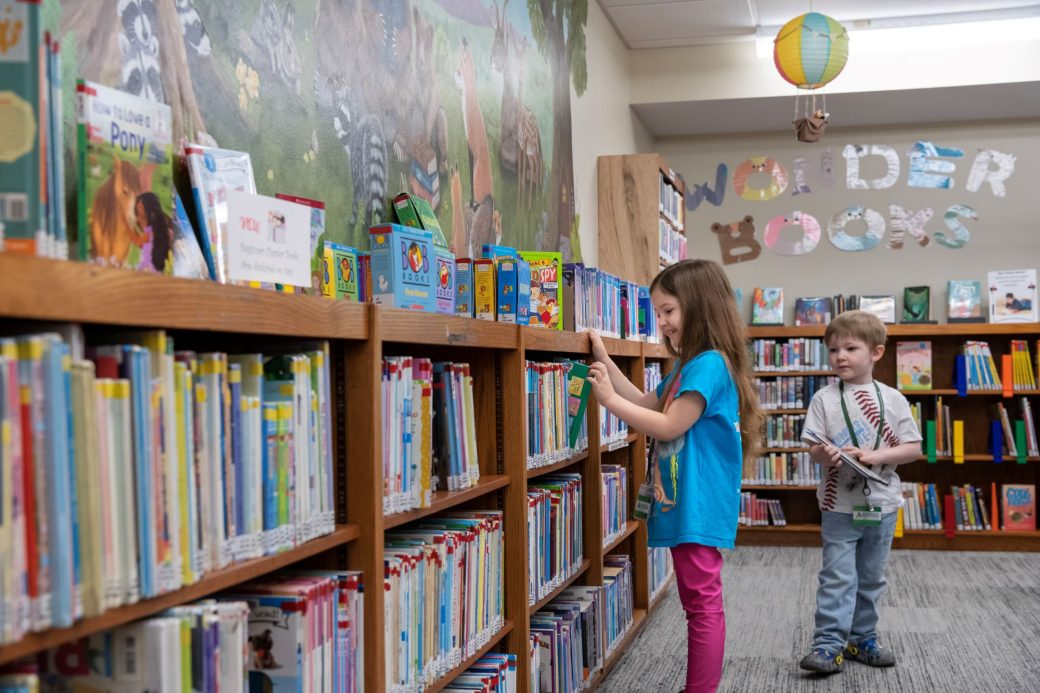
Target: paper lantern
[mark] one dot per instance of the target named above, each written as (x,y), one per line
(810,50)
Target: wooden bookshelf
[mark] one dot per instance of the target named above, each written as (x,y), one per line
(574,577)
(630,529)
(974,409)
(558,466)
(493,641)
(446,500)
(630,215)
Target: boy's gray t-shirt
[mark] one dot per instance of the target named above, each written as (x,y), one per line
(841,488)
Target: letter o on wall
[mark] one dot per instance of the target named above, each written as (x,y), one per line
(806,244)
(760,164)
(841,239)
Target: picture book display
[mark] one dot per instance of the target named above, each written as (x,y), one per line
(914,365)
(125,178)
(882,306)
(767,306)
(917,303)
(1012,295)
(214,174)
(1018,507)
(812,311)
(964,301)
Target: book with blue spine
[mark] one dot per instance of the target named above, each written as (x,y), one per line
(59,485)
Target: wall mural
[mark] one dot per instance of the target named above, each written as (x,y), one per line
(463,102)
(856,228)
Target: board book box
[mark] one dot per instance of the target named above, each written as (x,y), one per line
(464,287)
(546,308)
(125,179)
(402,267)
(340,272)
(444,280)
(484,295)
(414,211)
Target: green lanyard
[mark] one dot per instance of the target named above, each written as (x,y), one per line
(852,431)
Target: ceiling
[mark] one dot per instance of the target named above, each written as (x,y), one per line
(669,23)
(649,24)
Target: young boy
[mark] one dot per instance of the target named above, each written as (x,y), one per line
(870,422)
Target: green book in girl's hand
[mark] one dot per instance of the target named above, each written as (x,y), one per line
(578,388)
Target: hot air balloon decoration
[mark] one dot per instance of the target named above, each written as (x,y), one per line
(809,51)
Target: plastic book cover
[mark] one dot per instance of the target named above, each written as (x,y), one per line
(767,306)
(1012,295)
(214,173)
(1018,505)
(578,389)
(546,308)
(812,311)
(914,365)
(964,301)
(884,307)
(125,173)
(917,304)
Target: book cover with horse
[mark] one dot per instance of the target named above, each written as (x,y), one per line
(125,179)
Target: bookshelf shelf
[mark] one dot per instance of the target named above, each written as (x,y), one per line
(446,500)
(212,583)
(539,339)
(619,444)
(777,412)
(800,449)
(968,330)
(630,529)
(788,374)
(776,487)
(969,393)
(623,347)
(658,597)
(41,289)
(639,617)
(494,640)
(655,351)
(1007,459)
(540,604)
(558,466)
(401,326)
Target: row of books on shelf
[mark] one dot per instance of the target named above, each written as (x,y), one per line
(575,633)
(795,354)
(943,436)
(760,512)
(1007,507)
(791,393)
(784,430)
(494,672)
(613,431)
(429,431)
(131,469)
(660,567)
(975,368)
(292,631)
(444,594)
(557,395)
(783,469)
(670,203)
(615,501)
(555,545)
(672,243)
(1012,297)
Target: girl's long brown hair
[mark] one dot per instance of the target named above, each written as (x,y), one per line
(711,321)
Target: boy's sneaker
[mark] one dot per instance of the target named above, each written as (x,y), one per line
(871,653)
(823,662)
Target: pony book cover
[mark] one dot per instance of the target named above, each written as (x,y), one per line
(125,178)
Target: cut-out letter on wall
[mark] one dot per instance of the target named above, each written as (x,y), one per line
(841,238)
(801,176)
(854,152)
(961,235)
(806,244)
(760,164)
(827,167)
(737,240)
(923,166)
(982,173)
(901,221)
(701,191)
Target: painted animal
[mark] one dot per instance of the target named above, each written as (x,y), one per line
(520,145)
(365,146)
(141,72)
(472,226)
(194,31)
(476,134)
(270,43)
(112,215)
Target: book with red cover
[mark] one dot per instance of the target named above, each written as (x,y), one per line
(1018,507)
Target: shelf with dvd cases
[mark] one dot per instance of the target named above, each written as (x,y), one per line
(969,433)
(209,316)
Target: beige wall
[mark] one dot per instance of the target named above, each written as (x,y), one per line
(602,121)
(1005,236)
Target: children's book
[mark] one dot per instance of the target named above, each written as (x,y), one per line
(188,260)
(215,173)
(964,301)
(546,309)
(847,459)
(578,389)
(1012,296)
(812,311)
(914,365)
(767,306)
(882,306)
(1018,504)
(917,304)
(125,174)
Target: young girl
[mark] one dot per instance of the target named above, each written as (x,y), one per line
(705,421)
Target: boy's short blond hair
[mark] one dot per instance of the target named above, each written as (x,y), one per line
(858,324)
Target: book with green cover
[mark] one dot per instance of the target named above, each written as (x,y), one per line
(414,211)
(578,389)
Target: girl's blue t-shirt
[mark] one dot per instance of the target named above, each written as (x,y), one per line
(697,478)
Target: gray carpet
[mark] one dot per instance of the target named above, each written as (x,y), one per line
(957,621)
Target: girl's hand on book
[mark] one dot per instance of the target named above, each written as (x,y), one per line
(600,380)
(599,352)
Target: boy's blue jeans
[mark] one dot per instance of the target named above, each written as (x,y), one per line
(852,580)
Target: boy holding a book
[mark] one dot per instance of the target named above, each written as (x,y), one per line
(867,421)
